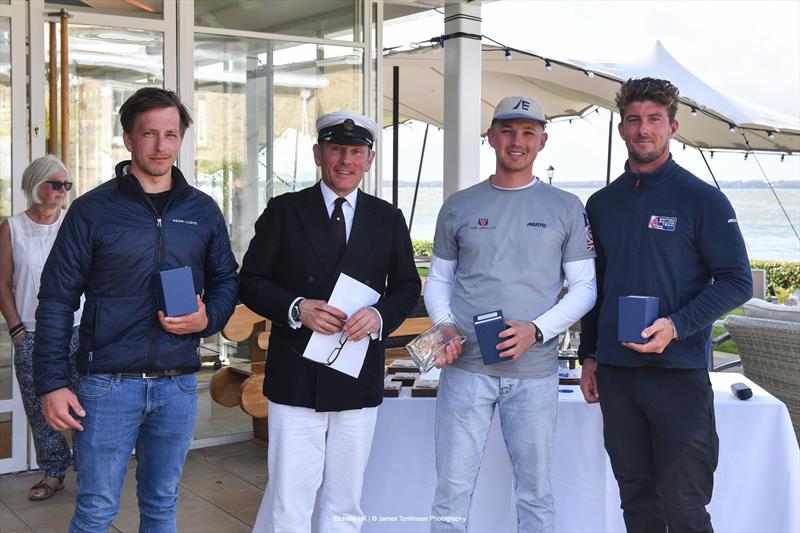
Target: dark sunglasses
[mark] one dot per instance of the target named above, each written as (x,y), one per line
(56,185)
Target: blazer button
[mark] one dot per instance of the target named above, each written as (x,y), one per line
(366,282)
(311,279)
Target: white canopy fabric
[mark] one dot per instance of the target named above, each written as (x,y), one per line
(567,90)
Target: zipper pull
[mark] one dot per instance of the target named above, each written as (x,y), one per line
(158,222)
(636,186)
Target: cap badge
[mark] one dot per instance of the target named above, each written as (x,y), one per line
(349,125)
(524,104)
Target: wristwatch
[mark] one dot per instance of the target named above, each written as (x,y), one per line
(539,336)
(295,311)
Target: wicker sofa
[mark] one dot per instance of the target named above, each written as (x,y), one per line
(770,354)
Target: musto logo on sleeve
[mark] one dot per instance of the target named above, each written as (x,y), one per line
(662,223)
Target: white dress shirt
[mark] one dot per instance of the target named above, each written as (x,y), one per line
(349,210)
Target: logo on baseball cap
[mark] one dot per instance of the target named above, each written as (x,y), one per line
(519,107)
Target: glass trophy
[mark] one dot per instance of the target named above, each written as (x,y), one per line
(428,348)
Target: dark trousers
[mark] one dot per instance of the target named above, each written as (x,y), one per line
(659,431)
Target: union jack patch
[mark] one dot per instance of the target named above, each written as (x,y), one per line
(589,236)
(483,221)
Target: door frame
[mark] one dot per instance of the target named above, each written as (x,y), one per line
(19,160)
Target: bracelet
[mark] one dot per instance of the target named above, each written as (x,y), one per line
(16,330)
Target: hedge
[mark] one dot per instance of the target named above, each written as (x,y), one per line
(780,274)
(422,247)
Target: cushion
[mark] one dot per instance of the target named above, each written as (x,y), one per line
(755,308)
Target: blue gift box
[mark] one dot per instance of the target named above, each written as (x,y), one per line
(487,328)
(635,314)
(176,288)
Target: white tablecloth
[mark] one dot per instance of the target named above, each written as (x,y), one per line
(757,482)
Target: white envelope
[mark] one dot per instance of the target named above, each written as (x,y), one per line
(349,295)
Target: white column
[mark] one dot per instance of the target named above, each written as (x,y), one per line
(181,64)
(462,87)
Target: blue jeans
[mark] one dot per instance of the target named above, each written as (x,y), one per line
(464,408)
(154,415)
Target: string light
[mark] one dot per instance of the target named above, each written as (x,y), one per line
(745,155)
(548,66)
(782,156)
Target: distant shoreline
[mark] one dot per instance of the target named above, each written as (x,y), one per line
(783,184)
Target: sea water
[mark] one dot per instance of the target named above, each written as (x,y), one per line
(767,232)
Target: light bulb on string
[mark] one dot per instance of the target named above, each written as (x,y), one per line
(693,112)
(590,74)
(731,128)
(547,66)
(508,54)
(782,156)
(771,135)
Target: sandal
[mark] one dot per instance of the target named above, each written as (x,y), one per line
(49,489)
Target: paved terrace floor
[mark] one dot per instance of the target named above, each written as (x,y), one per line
(220,492)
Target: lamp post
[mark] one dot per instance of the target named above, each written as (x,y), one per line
(550,171)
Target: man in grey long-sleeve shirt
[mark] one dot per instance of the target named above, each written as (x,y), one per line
(507,243)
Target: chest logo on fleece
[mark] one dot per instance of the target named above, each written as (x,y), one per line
(662,223)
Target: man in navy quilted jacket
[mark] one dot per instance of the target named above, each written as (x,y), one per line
(138,386)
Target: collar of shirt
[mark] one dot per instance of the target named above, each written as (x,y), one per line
(530,184)
(348,207)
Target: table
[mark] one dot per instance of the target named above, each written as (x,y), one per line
(757,482)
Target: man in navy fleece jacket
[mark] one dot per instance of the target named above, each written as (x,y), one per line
(660,231)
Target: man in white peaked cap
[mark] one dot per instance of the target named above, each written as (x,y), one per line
(321,420)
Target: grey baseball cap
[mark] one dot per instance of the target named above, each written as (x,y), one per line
(519,107)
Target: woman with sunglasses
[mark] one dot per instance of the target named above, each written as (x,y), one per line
(25,242)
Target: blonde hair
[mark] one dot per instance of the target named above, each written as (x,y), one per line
(41,169)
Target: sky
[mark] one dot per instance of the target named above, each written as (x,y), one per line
(743,48)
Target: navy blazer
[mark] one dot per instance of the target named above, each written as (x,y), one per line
(293,254)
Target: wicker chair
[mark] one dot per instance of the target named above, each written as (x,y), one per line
(770,353)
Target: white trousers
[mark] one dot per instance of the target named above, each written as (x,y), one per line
(315,460)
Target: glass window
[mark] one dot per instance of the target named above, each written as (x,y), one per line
(5,117)
(329,19)
(135,8)
(107,65)
(245,155)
